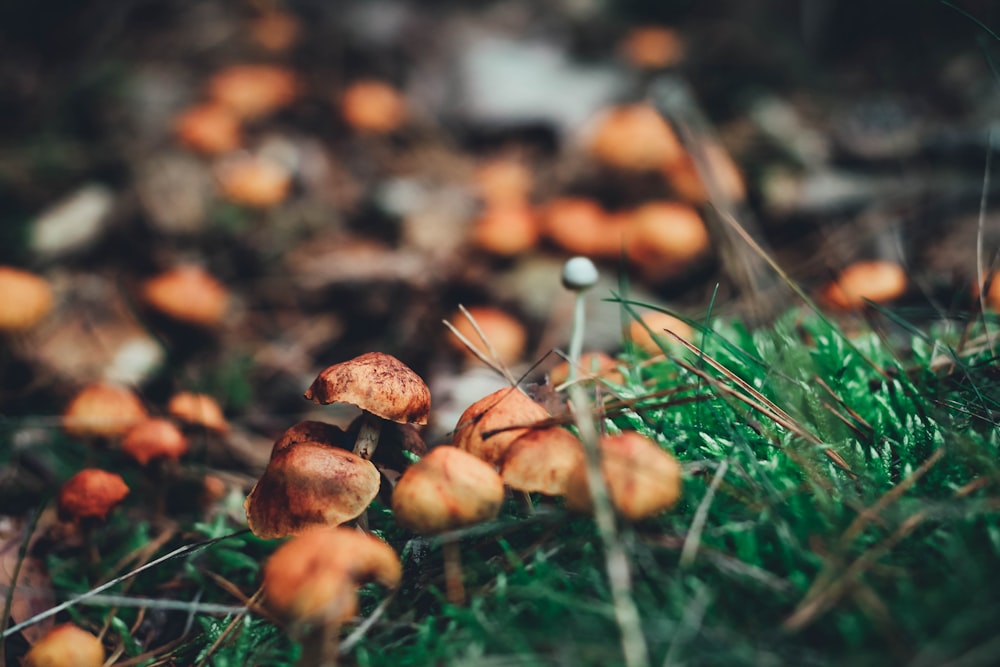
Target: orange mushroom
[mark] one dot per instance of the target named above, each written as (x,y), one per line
(66,645)
(507,229)
(275,30)
(593,365)
(687,183)
(664,238)
(254,181)
(253,91)
(652,47)
(505,333)
(542,460)
(187,294)
(154,439)
(642,478)
(373,106)
(580,226)
(91,494)
(488,427)
(649,332)
(25,299)
(209,128)
(634,137)
(880,281)
(503,182)
(102,410)
(198,409)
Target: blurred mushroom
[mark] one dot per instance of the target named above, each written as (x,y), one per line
(25,299)
(503,182)
(309,483)
(652,47)
(91,494)
(593,365)
(382,386)
(209,128)
(252,91)
(373,106)
(506,230)
(504,333)
(253,180)
(445,490)
(66,645)
(275,30)
(665,238)
(198,409)
(634,137)
(187,294)
(642,478)
(102,410)
(649,332)
(311,583)
(488,427)
(154,439)
(579,225)
(873,280)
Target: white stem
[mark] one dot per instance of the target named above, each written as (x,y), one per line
(576,337)
(368,434)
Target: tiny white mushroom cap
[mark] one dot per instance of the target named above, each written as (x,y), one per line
(579,274)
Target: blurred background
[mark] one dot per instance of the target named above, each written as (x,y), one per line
(229,196)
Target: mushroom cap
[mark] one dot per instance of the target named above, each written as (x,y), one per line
(252,91)
(312,431)
(102,410)
(187,294)
(446,489)
(634,137)
(665,237)
(541,460)
(579,225)
(503,408)
(579,273)
(652,47)
(91,493)
(66,645)
(209,128)
(308,484)
(24,299)
(505,332)
(253,180)
(373,106)
(377,382)
(873,280)
(198,409)
(592,365)
(507,229)
(643,479)
(314,576)
(658,323)
(504,181)
(154,438)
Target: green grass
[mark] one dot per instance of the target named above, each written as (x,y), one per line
(776,554)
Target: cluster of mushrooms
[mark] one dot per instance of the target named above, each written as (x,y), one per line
(321,477)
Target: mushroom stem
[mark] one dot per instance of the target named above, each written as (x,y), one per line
(454,588)
(579,274)
(368,434)
(319,645)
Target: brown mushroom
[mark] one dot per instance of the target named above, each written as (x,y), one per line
(663,238)
(66,645)
(208,128)
(382,386)
(373,106)
(25,299)
(102,410)
(649,332)
(311,583)
(541,460)
(252,91)
(488,427)
(445,490)
(309,483)
(634,137)
(91,494)
(253,180)
(593,365)
(506,230)
(505,333)
(642,478)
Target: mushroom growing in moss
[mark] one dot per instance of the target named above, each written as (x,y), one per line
(382,386)
(488,427)
(66,645)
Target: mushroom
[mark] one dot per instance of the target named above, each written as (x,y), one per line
(308,483)
(595,365)
(648,332)
(382,386)
(311,582)
(445,490)
(664,238)
(634,137)
(505,333)
(187,294)
(373,106)
(541,460)
(66,645)
(252,91)
(102,410)
(873,280)
(91,494)
(209,128)
(198,409)
(154,439)
(491,424)
(25,299)
(642,478)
